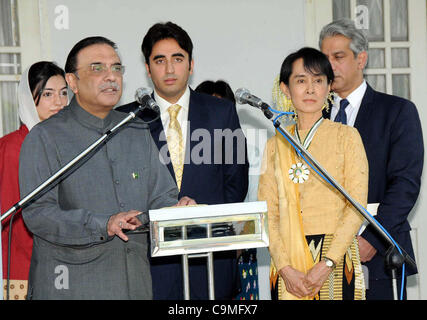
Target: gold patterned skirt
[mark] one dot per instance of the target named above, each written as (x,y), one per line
(346,282)
(17,289)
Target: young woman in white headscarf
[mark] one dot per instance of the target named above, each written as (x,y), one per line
(42,92)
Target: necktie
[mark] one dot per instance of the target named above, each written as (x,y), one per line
(175,143)
(341,115)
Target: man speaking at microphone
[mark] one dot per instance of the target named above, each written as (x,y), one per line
(86,241)
(201,136)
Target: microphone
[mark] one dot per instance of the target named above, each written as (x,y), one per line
(143,97)
(243,96)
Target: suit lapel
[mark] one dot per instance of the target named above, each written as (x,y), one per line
(159,137)
(196,120)
(365,114)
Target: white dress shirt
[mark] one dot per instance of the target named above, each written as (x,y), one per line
(182,117)
(354,99)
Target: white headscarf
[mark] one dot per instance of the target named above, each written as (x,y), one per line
(27,108)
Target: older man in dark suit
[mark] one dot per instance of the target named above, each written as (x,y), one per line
(391,132)
(201,136)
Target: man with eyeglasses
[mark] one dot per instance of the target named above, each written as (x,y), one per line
(82,245)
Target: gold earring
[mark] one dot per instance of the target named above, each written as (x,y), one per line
(290,107)
(329,101)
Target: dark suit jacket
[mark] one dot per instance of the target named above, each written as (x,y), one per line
(209,182)
(391,132)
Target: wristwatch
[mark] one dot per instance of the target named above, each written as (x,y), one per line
(329,262)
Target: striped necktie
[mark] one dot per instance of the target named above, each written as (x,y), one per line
(341,115)
(175,143)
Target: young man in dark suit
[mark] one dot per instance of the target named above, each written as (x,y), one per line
(201,136)
(391,132)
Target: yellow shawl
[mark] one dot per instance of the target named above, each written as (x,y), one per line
(289,202)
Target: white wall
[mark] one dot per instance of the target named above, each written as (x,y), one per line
(241,41)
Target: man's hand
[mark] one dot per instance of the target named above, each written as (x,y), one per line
(185,201)
(366,250)
(294,281)
(123,220)
(316,277)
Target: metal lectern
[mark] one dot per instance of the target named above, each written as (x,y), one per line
(198,231)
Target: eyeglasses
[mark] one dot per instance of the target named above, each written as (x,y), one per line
(102,68)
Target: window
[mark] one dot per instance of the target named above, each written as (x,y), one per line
(10,66)
(387,27)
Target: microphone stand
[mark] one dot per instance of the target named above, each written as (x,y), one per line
(394,258)
(29,197)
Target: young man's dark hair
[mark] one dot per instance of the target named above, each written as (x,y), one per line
(168,30)
(71,63)
(315,62)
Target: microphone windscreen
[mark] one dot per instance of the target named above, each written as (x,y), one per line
(240,94)
(140,93)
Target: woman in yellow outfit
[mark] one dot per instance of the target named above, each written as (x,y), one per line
(312,226)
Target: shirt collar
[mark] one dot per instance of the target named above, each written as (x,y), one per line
(354,98)
(89,119)
(163,104)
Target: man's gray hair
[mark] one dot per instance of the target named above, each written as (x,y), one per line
(347,28)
